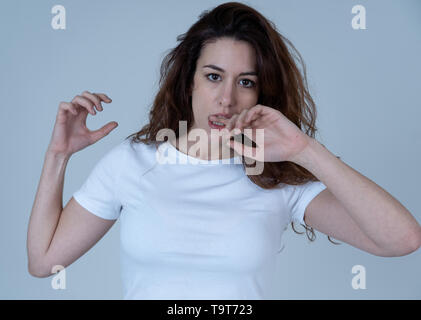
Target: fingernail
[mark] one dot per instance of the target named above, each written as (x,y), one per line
(236,131)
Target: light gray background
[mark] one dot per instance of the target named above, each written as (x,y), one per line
(366,84)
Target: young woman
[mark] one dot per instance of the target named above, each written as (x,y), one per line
(197,225)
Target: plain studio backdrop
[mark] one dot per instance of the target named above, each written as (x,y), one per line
(365,84)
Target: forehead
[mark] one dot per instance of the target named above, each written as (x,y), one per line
(228,54)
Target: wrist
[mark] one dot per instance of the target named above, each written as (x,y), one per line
(57,155)
(308,155)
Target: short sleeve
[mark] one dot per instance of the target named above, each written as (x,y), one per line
(98,193)
(299,196)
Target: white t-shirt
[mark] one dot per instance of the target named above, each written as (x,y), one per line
(191,230)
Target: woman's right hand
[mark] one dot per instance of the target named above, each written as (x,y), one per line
(70,133)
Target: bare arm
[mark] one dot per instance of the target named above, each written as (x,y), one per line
(364,209)
(56,236)
(46,209)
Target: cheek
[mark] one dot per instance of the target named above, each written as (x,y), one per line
(251,99)
(202,98)
(204,91)
(200,109)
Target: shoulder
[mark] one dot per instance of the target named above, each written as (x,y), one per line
(308,188)
(138,148)
(138,154)
(127,146)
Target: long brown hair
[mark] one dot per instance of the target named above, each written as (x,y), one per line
(282,87)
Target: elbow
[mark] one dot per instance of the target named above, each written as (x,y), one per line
(43,270)
(416,242)
(37,272)
(411,245)
(37,275)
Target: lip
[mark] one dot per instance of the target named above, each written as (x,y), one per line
(223,115)
(213,126)
(215,117)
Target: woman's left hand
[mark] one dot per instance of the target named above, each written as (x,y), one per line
(282,139)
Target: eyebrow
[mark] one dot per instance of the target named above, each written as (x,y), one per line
(249,73)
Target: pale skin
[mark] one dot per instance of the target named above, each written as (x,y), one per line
(219,87)
(57,235)
(70,133)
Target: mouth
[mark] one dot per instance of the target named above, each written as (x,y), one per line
(214,120)
(216,125)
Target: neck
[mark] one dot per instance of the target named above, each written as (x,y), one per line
(204,149)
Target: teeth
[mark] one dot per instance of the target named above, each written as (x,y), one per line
(218,123)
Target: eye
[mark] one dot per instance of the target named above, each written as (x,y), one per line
(249,83)
(212,74)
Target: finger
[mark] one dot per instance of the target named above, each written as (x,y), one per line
(69,107)
(242,149)
(236,121)
(258,123)
(247,136)
(104,97)
(83,102)
(232,134)
(240,120)
(103,131)
(73,108)
(235,131)
(231,122)
(253,114)
(95,99)
(250,136)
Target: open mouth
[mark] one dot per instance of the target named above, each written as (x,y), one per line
(216,124)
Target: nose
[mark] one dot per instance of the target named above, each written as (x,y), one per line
(227,98)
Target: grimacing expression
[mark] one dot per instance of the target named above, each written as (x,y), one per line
(225,80)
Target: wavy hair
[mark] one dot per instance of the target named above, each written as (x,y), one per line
(282,86)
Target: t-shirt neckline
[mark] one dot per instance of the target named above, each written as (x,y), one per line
(181,156)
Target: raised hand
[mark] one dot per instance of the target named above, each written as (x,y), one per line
(282,139)
(70,133)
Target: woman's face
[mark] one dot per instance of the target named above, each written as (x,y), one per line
(225,81)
